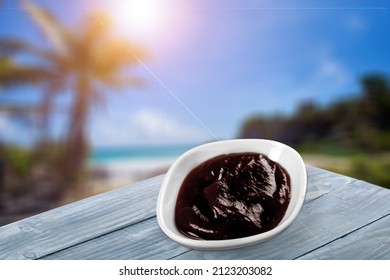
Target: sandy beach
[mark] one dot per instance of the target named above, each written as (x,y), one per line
(113,174)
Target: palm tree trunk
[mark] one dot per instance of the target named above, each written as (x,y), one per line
(76,145)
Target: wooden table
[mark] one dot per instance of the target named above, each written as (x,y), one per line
(342,218)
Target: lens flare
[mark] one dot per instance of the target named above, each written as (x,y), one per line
(141,18)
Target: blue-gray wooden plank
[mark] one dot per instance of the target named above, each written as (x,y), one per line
(327,218)
(78,222)
(145,240)
(368,243)
(121,225)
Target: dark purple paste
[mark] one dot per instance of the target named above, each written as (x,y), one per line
(232,196)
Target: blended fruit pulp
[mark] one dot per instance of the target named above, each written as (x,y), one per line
(232,196)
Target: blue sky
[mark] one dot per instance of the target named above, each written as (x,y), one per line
(214,63)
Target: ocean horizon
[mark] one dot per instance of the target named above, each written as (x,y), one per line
(104,155)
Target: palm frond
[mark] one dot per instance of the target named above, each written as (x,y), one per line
(55,32)
(13,74)
(18,110)
(96,26)
(123,81)
(10,46)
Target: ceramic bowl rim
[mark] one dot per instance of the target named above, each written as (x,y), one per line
(164,210)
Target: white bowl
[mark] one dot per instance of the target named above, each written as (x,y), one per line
(278,152)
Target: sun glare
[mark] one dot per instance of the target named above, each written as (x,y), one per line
(161,26)
(142,19)
(145,13)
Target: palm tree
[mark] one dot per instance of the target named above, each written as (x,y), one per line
(87,59)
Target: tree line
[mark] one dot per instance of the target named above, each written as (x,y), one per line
(358,123)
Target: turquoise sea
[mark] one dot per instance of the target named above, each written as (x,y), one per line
(134,153)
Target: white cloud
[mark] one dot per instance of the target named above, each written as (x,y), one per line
(153,124)
(145,126)
(331,71)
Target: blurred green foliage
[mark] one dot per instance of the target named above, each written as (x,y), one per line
(18,159)
(375,170)
(30,179)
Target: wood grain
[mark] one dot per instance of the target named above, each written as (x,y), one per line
(341,218)
(78,222)
(371,242)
